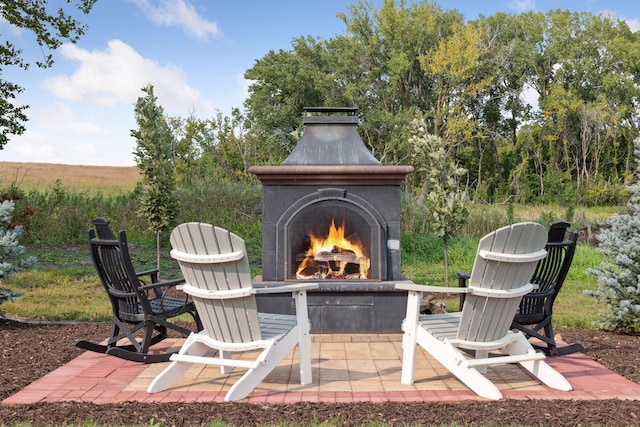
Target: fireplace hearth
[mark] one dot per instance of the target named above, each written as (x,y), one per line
(331,215)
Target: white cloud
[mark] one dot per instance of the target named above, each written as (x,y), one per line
(60,118)
(178,13)
(32,147)
(520,6)
(117,74)
(531,96)
(16,31)
(634,24)
(90,116)
(243,88)
(58,134)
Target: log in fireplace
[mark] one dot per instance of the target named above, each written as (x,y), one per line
(331,214)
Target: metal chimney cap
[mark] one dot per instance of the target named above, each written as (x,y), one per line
(328,110)
(328,115)
(330,139)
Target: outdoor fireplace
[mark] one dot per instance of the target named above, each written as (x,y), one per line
(331,234)
(331,215)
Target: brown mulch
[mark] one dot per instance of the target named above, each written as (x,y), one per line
(29,351)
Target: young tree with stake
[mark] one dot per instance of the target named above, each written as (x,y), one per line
(154,156)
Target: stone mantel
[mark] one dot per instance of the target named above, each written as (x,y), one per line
(331,174)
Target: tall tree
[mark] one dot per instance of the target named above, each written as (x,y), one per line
(470,79)
(392,84)
(51,29)
(155,156)
(285,82)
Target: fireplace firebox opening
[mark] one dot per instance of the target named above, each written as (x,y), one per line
(332,235)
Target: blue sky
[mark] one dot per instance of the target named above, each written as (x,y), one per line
(194,53)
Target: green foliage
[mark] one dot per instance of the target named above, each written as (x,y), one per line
(619,277)
(11,251)
(423,246)
(154,155)
(470,79)
(51,29)
(414,215)
(235,206)
(603,192)
(59,215)
(484,218)
(8,295)
(62,216)
(445,201)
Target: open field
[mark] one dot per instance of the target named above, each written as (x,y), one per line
(92,179)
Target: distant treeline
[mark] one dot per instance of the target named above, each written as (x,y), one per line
(538,107)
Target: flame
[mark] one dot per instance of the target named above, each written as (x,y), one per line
(334,253)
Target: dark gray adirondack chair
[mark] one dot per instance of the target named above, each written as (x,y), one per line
(534,316)
(140,310)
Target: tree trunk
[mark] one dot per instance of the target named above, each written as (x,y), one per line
(158,252)
(446,262)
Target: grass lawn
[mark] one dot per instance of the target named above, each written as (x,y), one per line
(64,285)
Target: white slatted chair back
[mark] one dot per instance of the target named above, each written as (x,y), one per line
(505,261)
(215,267)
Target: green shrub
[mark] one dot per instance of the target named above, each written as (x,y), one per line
(619,278)
(601,191)
(11,252)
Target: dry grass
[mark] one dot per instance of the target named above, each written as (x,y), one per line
(42,176)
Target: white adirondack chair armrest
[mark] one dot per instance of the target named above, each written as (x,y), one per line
(213,294)
(294,287)
(206,259)
(502,257)
(410,286)
(502,293)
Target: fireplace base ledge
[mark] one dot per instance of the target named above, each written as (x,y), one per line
(343,307)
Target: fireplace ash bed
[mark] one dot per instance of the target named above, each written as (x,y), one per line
(331,189)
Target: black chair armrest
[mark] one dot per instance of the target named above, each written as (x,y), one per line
(164,284)
(153,274)
(463,278)
(541,294)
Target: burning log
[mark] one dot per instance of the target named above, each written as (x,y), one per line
(334,257)
(339,254)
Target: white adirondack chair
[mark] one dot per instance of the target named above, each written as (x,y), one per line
(216,270)
(504,264)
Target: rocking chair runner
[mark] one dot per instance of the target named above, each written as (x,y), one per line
(215,265)
(535,312)
(505,261)
(139,310)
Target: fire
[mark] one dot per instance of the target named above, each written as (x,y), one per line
(334,257)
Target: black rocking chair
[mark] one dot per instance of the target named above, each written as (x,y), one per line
(534,315)
(139,310)
(535,312)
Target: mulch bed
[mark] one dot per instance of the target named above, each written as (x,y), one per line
(31,350)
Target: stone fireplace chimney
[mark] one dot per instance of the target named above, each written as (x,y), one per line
(331,178)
